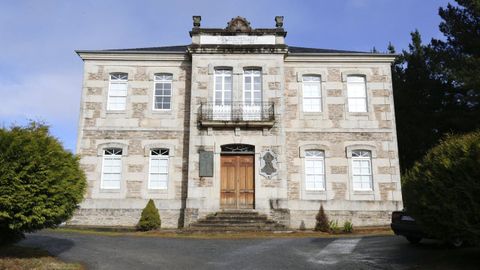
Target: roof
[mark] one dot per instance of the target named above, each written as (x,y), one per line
(183,49)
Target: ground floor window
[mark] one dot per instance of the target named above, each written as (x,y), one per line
(111,168)
(362,170)
(158,173)
(314,170)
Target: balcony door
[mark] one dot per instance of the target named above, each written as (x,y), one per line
(252,94)
(222,104)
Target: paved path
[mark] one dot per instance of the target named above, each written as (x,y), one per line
(386,252)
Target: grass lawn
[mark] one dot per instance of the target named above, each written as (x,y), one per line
(13,257)
(358,232)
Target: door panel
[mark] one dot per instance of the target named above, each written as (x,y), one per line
(237,182)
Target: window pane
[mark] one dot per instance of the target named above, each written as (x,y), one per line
(356,90)
(356,79)
(357,105)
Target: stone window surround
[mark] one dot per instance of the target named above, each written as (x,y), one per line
(107,71)
(373,151)
(102,146)
(322,73)
(313,194)
(367,73)
(175,72)
(171,153)
(100,150)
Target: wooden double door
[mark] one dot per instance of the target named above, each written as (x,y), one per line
(237,182)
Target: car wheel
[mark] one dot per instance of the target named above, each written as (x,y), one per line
(456,242)
(413,239)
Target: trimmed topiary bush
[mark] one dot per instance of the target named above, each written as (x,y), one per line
(442,191)
(322,223)
(41,184)
(150,219)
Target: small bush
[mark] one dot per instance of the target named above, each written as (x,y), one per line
(442,192)
(348,227)
(333,226)
(322,221)
(302,226)
(150,219)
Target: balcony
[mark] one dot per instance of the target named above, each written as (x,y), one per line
(237,114)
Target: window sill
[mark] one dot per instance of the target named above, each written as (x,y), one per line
(116,112)
(109,190)
(363,192)
(157,190)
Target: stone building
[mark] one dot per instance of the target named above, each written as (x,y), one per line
(237,120)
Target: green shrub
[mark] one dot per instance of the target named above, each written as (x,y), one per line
(442,192)
(347,227)
(322,221)
(333,226)
(150,219)
(41,183)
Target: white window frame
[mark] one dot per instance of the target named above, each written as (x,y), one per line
(166,79)
(222,110)
(362,156)
(312,80)
(252,73)
(315,156)
(111,154)
(352,81)
(158,154)
(117,78)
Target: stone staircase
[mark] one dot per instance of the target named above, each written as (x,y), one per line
(235,221)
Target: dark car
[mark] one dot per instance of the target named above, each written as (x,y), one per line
(405,225)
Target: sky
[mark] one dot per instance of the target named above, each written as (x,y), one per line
(41,75)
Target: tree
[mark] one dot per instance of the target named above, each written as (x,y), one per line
(150,218)
(419,99)
(442,192)
(436,86)
(41,183)
(322,223)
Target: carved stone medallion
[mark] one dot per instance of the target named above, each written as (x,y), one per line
(268,164)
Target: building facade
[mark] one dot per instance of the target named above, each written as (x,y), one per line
(238,120)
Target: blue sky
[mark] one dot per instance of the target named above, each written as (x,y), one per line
(40,74)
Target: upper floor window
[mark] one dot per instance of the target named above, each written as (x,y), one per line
(117,92)
(314,170)
(223,87)
(362,170)
(163,92)
(158,173)
(312,94)
(111,168)
(357,94)
(252,87)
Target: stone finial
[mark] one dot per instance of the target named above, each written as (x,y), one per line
(196,21)
(279,21)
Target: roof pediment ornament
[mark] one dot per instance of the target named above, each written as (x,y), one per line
(239,24)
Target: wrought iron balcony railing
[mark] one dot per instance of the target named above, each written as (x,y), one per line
(237,114)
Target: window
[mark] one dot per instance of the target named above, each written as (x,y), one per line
(362,170)
(158,174)
(252,87)
(112,168)
(223,87)
(357,94)
(222,109)
(314,170)
(117,92)
(312,94)
(163,92)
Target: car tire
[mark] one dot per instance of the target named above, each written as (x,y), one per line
(456,242)
(413,239)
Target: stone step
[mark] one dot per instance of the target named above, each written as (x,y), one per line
(223,224)
(230,228)
(235,221)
